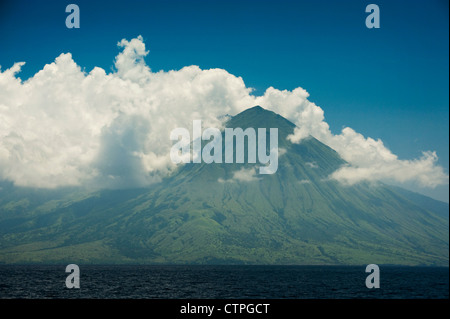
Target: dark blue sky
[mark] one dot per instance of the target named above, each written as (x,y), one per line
(389,83)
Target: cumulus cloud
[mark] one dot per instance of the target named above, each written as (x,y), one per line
(242,175)
(245,175)
(369,159)
(395,170)
(312,165)
(67,127)
(64,126)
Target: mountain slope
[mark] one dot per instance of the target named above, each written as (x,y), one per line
(228,213)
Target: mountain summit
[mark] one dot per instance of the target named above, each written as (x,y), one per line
(228,213)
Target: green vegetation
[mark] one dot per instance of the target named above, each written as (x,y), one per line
(296,216)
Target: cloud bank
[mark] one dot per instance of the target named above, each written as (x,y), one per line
(66,127)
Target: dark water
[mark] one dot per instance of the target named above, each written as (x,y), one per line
(223,282)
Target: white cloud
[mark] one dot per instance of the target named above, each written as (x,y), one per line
(312,165)
(67,127)
(424,171)
(369,159)
(130,62)
(242,175)
(64,126)
(245,175)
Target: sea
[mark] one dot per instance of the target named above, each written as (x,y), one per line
(222,282)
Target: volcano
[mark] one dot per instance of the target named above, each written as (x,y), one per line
(227,213)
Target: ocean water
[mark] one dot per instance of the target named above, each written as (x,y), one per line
(222,282)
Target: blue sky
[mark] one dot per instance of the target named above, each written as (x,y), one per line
(389,83)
